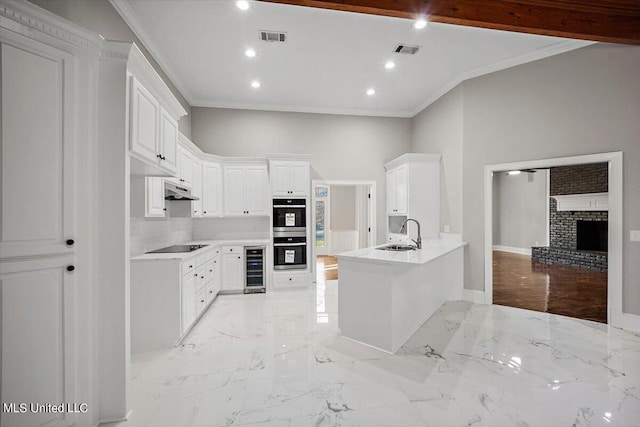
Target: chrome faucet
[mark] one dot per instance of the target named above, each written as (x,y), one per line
(418,242)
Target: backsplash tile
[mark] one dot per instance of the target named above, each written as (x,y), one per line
(231,228)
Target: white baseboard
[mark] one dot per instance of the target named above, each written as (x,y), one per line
(473,296)
(627,321)
(115,420)
(512,249)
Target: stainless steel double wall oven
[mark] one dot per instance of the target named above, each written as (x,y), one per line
(289,234)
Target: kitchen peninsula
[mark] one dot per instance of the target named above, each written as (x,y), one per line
(384,296)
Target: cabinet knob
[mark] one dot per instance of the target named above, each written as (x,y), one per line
(210,292)
(195,275)
(190,266)
(205,211)
(159,156)
(164,209)
(195,211)
(201,300)
(238,257)
(70,268)
(70,242)
(211,271)
(164,158)
(289,278)
(202,277)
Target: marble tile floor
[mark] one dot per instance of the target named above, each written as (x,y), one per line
(277,359)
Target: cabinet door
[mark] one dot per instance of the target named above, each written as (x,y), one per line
(211,190)
(280,178)
(188,299)
(300,180)
(154,195)
(186,168)
(232,272)
(401,190)
(168,142)
(391,192)
(196,189)
(145,113)
(234,190)
(256,192)
(38,308)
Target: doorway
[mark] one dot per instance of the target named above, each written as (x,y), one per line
(343,219)
(506,266)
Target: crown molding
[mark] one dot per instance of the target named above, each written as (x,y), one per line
(545,52)
(18,14)
(127,13)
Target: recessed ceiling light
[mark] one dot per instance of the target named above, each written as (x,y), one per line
(419,23)
(389,65)
(250,53)
(242,4)
(371,91)
(255,84)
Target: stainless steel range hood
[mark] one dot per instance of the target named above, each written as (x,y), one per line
(175,192)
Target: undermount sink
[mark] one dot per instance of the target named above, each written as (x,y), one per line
(397,248)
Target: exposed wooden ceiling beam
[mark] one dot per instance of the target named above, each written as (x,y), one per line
(614,21)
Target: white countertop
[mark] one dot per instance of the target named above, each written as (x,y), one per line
(211,244)
(431,249)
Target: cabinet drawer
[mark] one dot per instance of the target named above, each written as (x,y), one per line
(209,270)
(203,258)
(285,280)
(232,250)
(201,278)
(188,266)
(201,301)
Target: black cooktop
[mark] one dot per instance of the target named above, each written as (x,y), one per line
(176,249)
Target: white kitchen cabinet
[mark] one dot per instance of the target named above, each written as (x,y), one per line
(413,191)
(154,132)
(41,311)
(246,190)
(397,191)
(154,197)
(232,268)
(289,178)
(188,302)
(196,189)
(289,279)
(168,142)
(211,189)
(214,277)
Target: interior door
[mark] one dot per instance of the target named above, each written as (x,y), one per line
(37,244)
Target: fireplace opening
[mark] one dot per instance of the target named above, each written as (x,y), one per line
(592,235)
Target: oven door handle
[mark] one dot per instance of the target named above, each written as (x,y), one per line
(289,206)
(289,244)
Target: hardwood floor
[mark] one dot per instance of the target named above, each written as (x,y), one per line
(327,268)
(569,291)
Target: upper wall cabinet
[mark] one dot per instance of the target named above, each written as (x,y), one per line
(211,189)
(153,120)
(413,191)
(154,134)
(397,190)
(246,189)
(289,178)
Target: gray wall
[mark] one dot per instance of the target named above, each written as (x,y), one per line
(438,129)
(520,210)
(343,207)
(581,102)
(342,147)
(100,17)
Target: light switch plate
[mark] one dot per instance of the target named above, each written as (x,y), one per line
(634,235)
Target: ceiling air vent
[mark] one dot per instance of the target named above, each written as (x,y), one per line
(273,36)
(407,49)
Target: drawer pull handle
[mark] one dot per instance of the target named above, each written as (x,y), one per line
(70,242)
(71,268)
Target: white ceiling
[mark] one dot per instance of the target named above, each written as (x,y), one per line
(329,60)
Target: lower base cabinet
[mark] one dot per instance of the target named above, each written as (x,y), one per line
(232,268)
(287,280)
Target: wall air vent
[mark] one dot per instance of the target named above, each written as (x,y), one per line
(407,49)
(273,36)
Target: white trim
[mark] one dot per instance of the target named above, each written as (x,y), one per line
(548,204)
(127,13)
(627,321)
(512,249)
(614,286)
(544,52)
(329,182)
(471,295)
(116,420)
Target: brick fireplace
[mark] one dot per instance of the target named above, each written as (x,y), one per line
(576,237)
